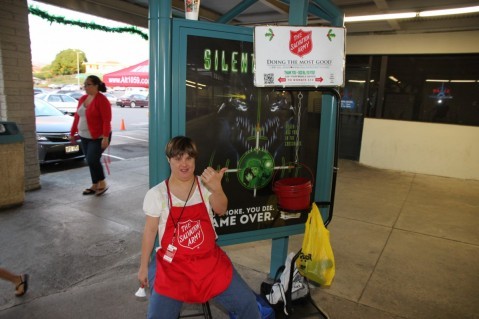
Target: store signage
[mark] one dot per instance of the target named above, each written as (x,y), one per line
(299,56)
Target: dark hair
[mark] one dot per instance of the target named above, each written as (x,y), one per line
(180,145)
(96,81)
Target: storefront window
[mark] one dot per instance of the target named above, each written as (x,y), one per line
(426,88)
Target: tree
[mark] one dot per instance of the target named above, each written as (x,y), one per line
(44,73)
(66,62)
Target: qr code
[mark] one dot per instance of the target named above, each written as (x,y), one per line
(269,78)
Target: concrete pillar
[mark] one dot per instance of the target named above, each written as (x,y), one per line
(16,82)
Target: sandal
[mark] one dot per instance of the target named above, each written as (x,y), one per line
(24,283)
(89,191)
(100,191)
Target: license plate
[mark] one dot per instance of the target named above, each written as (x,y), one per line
(72,148)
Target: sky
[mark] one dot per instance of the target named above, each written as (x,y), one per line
(49,39)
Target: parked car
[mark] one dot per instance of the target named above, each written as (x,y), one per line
(76,94)
(63,102)
(53,134)
(133,100)
(71,87)
(110,98)
(38,91)
(55,86)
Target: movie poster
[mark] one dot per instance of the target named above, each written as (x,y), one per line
(261,135)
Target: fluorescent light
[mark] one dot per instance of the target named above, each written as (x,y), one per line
(360,81)
(409,15)
(463,81)
(374,17)
(452,81)
(393,78)
(433,13)
(193,84)
(357,81)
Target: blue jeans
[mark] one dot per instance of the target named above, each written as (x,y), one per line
(237,298)
(151,274)
(92,150)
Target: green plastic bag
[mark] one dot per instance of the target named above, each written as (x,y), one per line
(316,260)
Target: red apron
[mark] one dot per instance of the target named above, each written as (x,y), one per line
(199,270)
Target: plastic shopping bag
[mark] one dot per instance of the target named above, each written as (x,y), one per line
(316,261)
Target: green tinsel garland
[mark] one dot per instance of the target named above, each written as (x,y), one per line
(92,25)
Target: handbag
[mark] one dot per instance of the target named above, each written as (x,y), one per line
(275,293)
(316,260)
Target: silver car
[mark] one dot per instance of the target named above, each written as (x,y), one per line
(63,102)
(53,134)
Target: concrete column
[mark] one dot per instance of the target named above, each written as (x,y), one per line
(16,82)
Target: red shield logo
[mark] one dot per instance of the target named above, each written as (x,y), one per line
(300,42)
(190,234)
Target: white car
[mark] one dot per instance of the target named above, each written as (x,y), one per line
(71,87)
(63,102)
(110,98)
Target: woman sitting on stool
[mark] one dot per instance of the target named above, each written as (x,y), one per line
(190,266)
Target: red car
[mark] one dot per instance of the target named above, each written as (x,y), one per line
(133,100)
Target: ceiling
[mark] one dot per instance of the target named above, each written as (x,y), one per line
(261,12)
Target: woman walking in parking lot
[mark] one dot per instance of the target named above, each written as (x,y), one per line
(93,123)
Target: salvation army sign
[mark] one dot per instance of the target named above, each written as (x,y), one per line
(299,56)
(300,42)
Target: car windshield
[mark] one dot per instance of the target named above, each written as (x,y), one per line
(67,98)
(43,108)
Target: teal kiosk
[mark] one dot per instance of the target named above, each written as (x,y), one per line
(202,85)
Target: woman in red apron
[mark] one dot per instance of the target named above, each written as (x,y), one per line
(190,266)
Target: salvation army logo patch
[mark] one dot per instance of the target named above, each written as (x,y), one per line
(300,42)
(190,234)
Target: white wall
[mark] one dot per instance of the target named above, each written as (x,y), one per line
(425,43)
(426,148)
